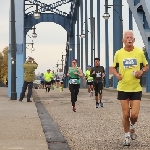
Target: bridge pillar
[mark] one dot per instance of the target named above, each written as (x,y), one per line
(98,28)
(20,56)
(86,35)
(117,31)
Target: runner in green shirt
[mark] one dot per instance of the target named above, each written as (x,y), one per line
(74,82)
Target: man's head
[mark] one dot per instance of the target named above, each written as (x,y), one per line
(48,70)
(42,74)
(30,59)
(89,67)
(128,38)
(60,70)
(97,61)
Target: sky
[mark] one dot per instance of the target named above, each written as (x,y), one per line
(51,38)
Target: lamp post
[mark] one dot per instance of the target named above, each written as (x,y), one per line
(106,17)
(36,13)
(32,48)
(62,61)
(34,35)
(13,53)
(57,65)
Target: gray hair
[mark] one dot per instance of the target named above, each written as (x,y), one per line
(128,31)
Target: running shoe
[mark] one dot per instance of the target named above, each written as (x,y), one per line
(97,105)
(126,141)
(133,134)
(89,94)
(74,108)
(100,104)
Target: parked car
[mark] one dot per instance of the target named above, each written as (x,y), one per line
(36,84)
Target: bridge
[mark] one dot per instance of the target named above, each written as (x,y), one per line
(25,20)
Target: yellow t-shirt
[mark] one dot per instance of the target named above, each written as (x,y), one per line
(129,62)
(87,74)
(48,77)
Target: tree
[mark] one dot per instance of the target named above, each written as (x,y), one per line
(4,64)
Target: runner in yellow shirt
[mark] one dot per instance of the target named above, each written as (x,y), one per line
(132,64)
(89,80)
(48,77)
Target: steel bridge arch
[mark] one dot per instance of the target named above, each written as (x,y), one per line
(62,20)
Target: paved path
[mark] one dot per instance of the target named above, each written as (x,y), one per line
(20,126)
(95,129)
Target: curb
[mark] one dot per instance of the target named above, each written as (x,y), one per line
(115,91)
(54,138)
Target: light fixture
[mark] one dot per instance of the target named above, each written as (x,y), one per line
(36,13)
(106,16)
(34,35)
(82,35)
(32,49)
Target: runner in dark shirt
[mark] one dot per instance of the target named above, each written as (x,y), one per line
(98,74)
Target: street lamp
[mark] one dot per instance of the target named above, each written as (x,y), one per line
(93,35)
(62,60)
(36,13)
(32,48)
(106,17)
(13,53)
(57,65)
(34,35)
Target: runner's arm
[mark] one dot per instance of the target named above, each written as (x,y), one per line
(145,64)
(115,64)
(80,74)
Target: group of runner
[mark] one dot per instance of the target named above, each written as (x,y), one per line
(50,80)
(129,65)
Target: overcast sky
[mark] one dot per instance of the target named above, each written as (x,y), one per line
(52,37)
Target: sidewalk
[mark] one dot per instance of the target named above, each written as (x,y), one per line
(20,126)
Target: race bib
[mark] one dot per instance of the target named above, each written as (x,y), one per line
(90,80)
(129,63)
(98,75)
(73,81)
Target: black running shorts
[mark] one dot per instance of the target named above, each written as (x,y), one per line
(47,83)
(98,87)
(129,95)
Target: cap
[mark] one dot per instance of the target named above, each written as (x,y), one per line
(74,59)
(89,66)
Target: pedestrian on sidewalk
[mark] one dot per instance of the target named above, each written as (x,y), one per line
(74,74)
(98,74)
(132,64)
(29,75)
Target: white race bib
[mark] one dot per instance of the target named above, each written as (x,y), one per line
(98,75)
